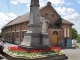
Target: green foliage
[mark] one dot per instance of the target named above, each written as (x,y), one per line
(0,34)
(78,36)
(74,33)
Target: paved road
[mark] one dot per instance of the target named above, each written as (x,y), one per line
(73,54)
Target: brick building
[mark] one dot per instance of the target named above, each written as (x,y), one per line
(14,31)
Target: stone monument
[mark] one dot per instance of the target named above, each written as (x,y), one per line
(33,35)
(34,38)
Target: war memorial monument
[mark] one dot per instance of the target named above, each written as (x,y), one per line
(35,38)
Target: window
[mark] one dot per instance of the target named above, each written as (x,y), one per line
(64,32)
(23,33)
(46,14)
(18,34)
(6,35)
(68,32)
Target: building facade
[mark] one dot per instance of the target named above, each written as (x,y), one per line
(14,31)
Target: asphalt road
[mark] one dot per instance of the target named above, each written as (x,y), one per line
(73,54)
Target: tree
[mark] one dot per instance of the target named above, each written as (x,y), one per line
(78,36)
(74,33)
(0,34)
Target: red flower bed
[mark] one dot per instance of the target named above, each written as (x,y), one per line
(18,49)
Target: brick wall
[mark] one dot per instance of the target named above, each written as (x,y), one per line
(67,26)
(49,9)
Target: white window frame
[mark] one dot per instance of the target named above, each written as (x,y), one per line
(64,32)
(68,32)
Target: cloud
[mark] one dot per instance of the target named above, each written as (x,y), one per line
(24,1)
(75,19)
(11,16)
(19,1)
(42,2)
(14,1)
(70,15)
(5,18)
(65,11)
(79,1)
(69,4)
(57,2)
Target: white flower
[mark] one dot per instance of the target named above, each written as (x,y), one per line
(61,52)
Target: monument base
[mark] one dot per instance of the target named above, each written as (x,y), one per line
(45,39)
(35,41)
(32,40)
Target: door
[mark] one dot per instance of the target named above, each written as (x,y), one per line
(55,38)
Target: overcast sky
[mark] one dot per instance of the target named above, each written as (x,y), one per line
(67,9)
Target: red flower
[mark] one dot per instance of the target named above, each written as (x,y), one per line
(35,51)
(31,51)
(58,49)
(26,51)
(40,50)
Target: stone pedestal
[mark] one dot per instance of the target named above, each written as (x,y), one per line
(32,39)
(45,39)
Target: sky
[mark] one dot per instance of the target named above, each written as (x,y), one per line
(67,9)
